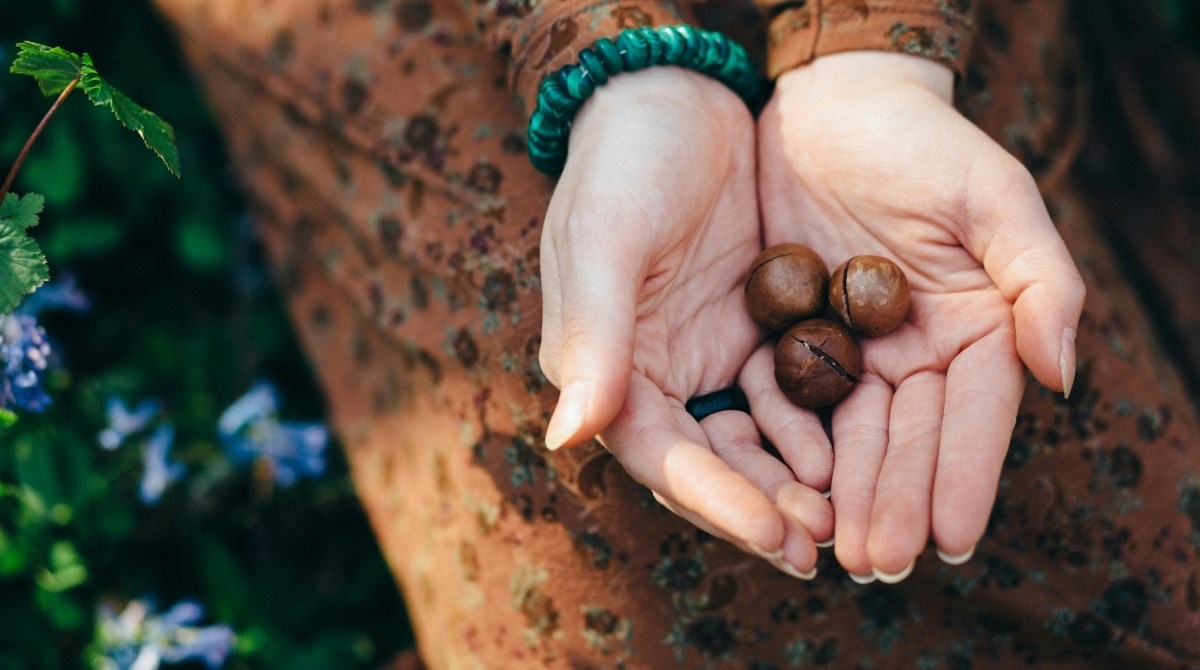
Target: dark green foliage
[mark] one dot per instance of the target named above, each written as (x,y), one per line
(55,68)
(183,310)
(22,265)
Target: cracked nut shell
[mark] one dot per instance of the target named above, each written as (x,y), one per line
(787,283)
(870,295)
(817,362)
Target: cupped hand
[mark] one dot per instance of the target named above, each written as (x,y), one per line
(862,153)
(646,243)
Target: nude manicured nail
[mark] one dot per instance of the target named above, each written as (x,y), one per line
(958,559)
(825,544)
(568,415)
(771,556)
(896,578)
(862,579)
(1066,361)
(792,570)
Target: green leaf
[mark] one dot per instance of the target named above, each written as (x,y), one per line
(156,133)
(8,419)
(22,267)
(53,67)
(21,212)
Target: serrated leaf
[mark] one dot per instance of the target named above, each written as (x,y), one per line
(22,267)
(21,212)
(52,67)
(158,135)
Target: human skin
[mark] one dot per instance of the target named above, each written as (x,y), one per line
(644,251)
(863,153)
(646,243)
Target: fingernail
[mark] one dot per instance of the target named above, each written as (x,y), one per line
(862,579)
(826,544)
(794,571)
(772,556)
(896,578)
(956,560)
(1066,361)
(568,415)
(828,494)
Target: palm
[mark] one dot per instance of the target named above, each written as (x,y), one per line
(846,203)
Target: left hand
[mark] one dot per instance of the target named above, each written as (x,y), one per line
(862,153)
(644,251)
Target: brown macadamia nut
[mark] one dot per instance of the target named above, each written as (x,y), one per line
(788,283)
(870,294)
(817,362)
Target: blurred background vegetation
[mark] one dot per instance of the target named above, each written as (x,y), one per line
(182,311)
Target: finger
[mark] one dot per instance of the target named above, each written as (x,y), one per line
(734,438)
(983,391)
(1009,230)
(589,347)
(808,507)
(900,513)
(860,434)
(796,433)
(646,439)
(795,542)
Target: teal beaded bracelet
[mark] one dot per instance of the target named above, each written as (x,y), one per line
(562,93)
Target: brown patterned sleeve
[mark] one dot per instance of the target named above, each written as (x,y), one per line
(801,30)
(541,36)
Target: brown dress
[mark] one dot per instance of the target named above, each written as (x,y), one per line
(382,148)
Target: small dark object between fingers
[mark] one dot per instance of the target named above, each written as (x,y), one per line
(718,401)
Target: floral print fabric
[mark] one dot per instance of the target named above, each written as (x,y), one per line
(383,152)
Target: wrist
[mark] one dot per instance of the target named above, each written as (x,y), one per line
(869,71)
(664,93)
(563,92)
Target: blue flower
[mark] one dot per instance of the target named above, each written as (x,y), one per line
(159,470)
(137,639)
(63,294)
(24,357)
(122,422)
(259,403)
(251,430)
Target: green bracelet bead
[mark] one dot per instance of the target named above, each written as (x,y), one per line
(708,54)
(551,96)
(634,51)
(563,92)
(675,46)
(654,46)
(691,45)
(589,60)
(609,55)
(577,83)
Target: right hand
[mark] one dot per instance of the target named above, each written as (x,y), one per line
(646,244)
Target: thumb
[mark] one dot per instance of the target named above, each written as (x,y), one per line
(588,328)
(1010,231)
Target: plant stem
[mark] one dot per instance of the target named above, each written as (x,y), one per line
(12,174)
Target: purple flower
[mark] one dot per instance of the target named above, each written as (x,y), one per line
(159,470)
(122,422)
(251,430)
(137,639)
(24,357)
